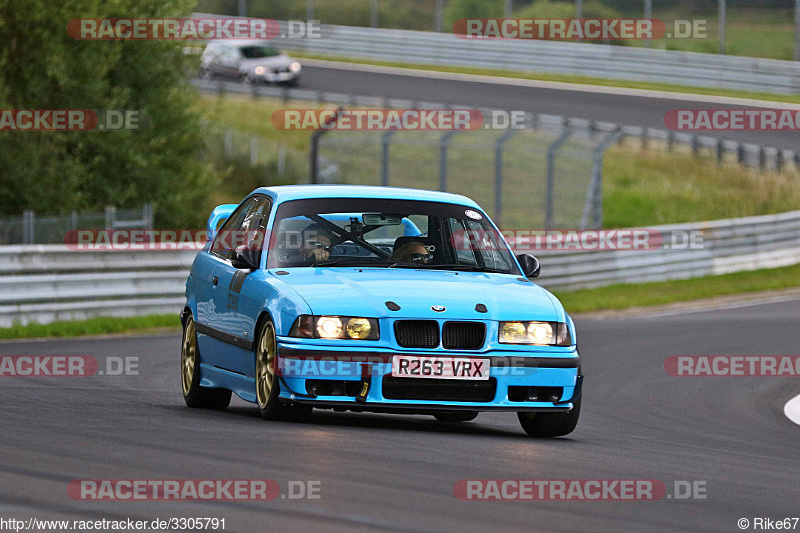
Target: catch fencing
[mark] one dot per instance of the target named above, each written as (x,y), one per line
(722,150)
(551,168)
(52,282)
(32,228)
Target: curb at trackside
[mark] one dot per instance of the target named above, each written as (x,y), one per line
(792,409)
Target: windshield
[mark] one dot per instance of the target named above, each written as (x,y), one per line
(253,52)
(346,232)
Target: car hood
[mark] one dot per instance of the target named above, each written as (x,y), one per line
(365,291)
(271,62)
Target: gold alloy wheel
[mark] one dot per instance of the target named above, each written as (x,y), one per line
(265,358)
(188,356)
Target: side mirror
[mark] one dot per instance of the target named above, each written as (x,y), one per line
(218,215)
(244,258)
(530,265)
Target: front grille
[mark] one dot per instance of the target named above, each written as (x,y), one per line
(329,387)
(417,333)
(448,390)
(463,335)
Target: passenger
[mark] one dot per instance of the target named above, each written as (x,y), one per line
(413,252)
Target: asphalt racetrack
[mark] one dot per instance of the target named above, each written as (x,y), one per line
(623,109)
(382,472)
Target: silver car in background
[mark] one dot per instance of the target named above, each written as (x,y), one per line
(250,62)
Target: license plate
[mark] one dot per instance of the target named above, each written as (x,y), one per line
(413,366)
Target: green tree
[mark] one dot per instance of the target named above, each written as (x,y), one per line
(471,9)
(42,67)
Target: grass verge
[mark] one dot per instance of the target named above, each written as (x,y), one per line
(92,326)
(624,296)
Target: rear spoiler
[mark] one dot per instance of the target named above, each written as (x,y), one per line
(218,215)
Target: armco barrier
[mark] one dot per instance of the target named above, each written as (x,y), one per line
(51,282)
(45,283)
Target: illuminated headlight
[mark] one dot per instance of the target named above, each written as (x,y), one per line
(260,71)
(329,327)
(539,333)
(335,327)
(295,67)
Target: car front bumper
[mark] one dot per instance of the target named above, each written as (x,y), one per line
(335,378)
(278,77)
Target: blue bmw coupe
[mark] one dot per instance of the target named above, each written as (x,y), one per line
(374,299)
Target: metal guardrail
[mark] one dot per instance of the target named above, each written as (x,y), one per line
(46,283)
(51,282)
(581,59)
(747,154)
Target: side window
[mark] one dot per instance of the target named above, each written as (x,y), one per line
(464,252)
(247,216)
(486,246)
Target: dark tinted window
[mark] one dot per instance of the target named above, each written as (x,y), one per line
(254,52)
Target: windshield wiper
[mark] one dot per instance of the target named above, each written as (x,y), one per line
(349,261)
(407,264)
(468,268)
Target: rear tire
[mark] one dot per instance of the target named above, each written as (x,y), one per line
(546,425)
(456,416)
(193,394)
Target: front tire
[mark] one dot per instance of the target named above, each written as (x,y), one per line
(193,394)
(545,425)
(267,382)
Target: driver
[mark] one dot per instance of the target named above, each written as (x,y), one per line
(317,240)
(413,252)
(315,246)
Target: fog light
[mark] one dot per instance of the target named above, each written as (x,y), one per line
(358,328)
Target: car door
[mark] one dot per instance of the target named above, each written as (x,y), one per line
(245,300)
(219,334)
(230,60)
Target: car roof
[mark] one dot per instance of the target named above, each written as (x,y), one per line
(239,43)
(283,193)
